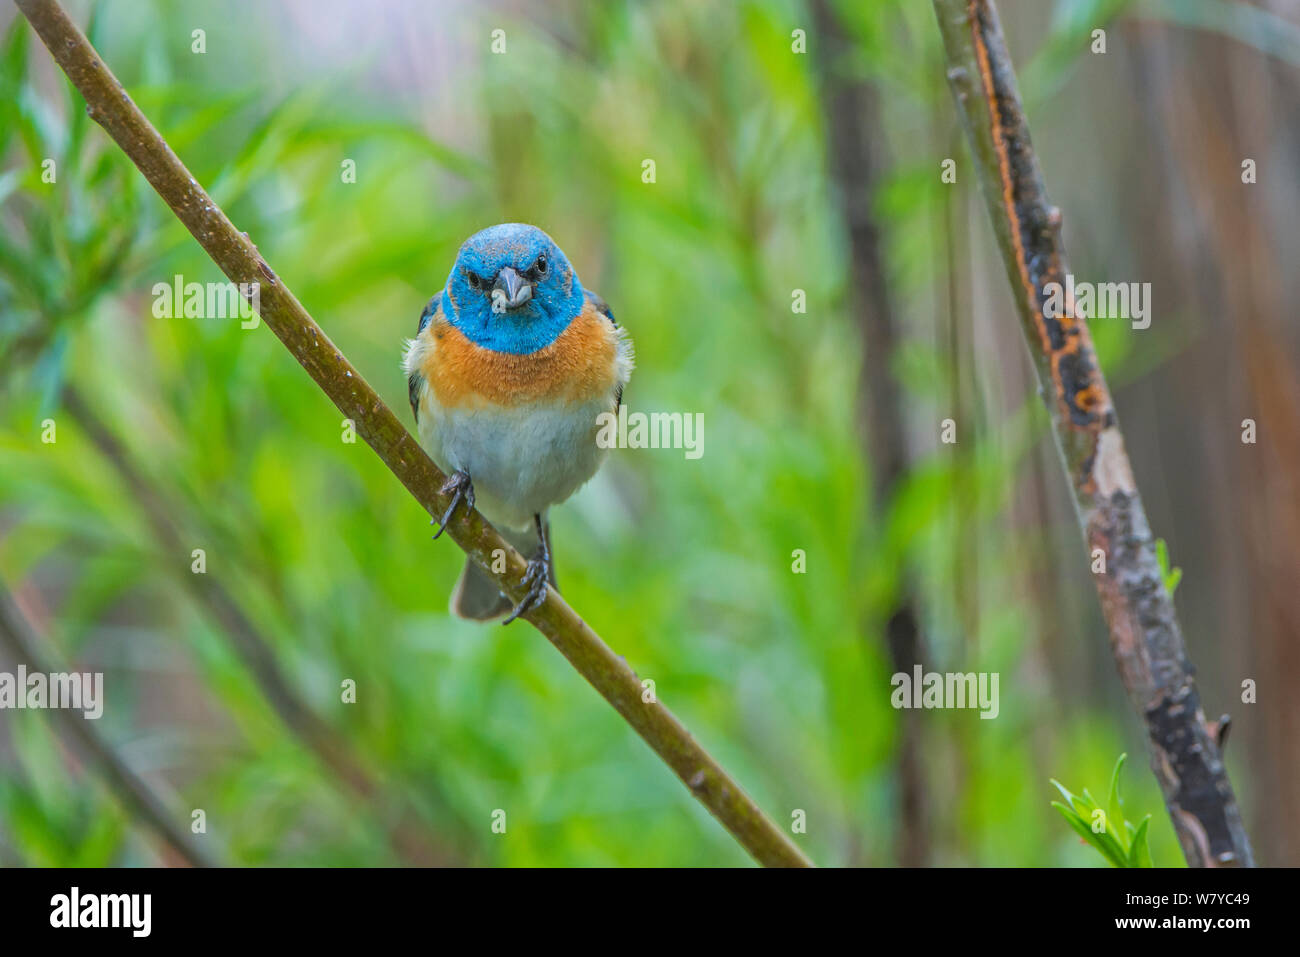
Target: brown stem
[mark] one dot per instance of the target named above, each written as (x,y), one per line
(1145,638)
(108,104)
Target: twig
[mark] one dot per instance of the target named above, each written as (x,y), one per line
(404,834)
(18,634)
(234,253)
(1145,638)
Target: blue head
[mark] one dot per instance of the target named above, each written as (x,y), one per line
(511,289)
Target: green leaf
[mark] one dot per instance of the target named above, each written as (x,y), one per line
(1104,843)
(1171,576)
(1069,798)
(13,75)
(1082,805)
(1111,848)
(1172,581)
(1114,807)
(1093,803)
(1139,854)
(1074,821)
(13,60)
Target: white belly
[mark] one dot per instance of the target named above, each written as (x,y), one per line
(520,460)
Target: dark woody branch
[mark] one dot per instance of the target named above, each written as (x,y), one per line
(1145,637)
(237,257)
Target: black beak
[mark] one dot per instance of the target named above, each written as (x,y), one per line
(510,290)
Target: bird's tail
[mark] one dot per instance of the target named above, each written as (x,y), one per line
(477,596)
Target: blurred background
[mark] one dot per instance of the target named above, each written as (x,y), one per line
(776,171)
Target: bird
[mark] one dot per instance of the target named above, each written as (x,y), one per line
(512,364)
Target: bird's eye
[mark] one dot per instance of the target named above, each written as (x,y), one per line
(540,265)
(474,281)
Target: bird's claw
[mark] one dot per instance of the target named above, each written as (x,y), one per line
(460,487)
(535,579)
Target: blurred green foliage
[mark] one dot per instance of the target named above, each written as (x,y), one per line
(685,567)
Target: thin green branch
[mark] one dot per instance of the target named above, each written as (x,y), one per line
(19,636)
(1146,640)
(234,253)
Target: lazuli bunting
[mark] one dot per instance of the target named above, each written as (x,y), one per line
(510,366)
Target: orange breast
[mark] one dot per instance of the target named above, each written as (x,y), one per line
(580,365)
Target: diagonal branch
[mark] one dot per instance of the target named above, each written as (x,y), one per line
(108,104)
(1145,637)
(405,835)
(19,636)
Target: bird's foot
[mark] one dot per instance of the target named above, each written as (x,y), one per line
(535,578)
(460,487)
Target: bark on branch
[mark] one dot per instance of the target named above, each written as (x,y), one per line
(108,104)
(1145,638)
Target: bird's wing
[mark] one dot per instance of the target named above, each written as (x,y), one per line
(601,306)
(415,348)
(624,353)
(433,306)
